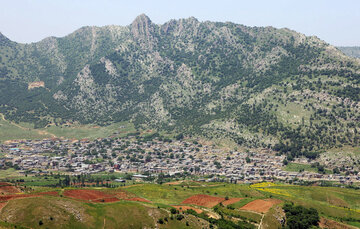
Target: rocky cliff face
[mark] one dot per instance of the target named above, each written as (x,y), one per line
(251,84)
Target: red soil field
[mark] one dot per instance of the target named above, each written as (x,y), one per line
(52,193)
(185,208)
(2,204)
(106,200)
(203,200)
(260,206)
(99,196)
(10,197)
(9,189)
(80,194)
(231,201)
(5,184)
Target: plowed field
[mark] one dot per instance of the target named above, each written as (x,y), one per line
(90,195)
(260,206)
(231,201)
(203,200)
(6,198)
(8,188)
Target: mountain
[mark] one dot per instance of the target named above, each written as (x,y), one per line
(351,51)
(259,86)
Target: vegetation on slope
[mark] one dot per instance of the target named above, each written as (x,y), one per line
(260,87)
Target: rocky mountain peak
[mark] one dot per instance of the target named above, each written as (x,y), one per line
(142,26)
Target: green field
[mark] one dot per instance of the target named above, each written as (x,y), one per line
(12,131)
(336,203)
(91,131)
(9,173)
(296,167)
(340,204)
(54,212)
(57,212)
(175,194)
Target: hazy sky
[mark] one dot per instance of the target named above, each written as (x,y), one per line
(335,21)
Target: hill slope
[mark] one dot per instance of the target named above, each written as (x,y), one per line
(260,86)
(351,51)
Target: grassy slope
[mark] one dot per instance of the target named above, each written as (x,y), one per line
(296,167)
(56,212)
(11,131)
(175,194)
(334,203)
(9,173)
(90,131)
(331,202)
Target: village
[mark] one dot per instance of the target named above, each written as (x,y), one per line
(150,157)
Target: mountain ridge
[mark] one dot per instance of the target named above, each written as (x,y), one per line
(188,76)
(352,51)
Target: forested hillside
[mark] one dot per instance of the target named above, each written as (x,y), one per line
(259,86)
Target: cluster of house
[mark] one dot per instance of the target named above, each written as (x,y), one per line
(136,155)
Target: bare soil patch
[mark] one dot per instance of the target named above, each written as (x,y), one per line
(17,196)
(5,184)
(213,215)
(101,197)
(51,193)
(2,204)
(260,206)
(185,208)
(106,200)
(231,201)
(328,223)
(36,84)
(173,183)
(9,189)
(203,200)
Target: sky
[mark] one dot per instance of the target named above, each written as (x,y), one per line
(334,21)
